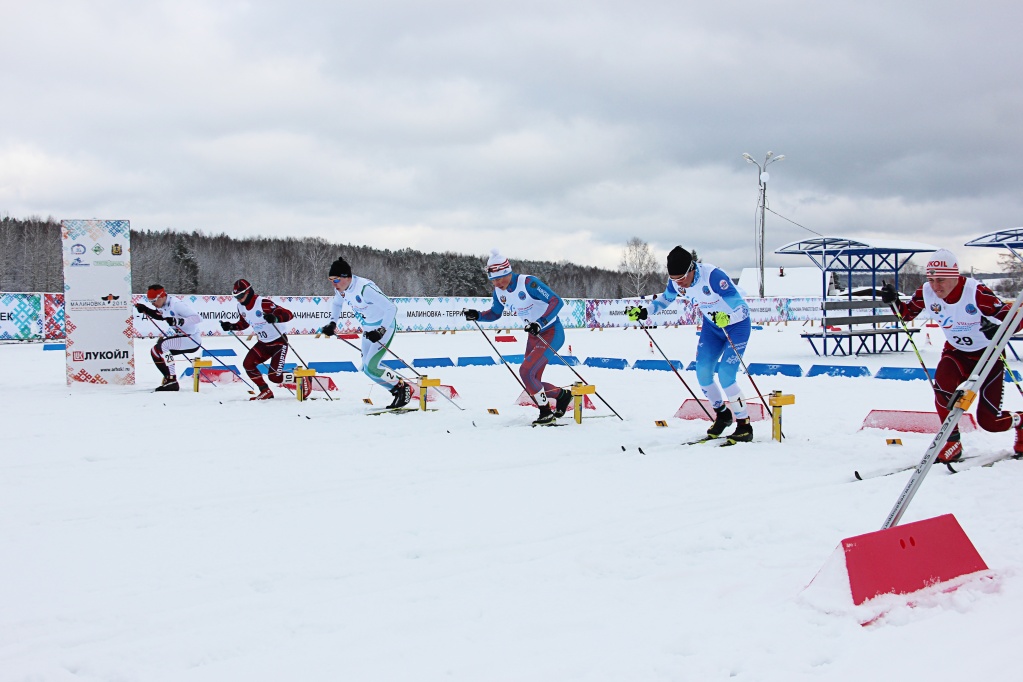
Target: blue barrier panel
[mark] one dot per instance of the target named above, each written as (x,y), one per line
(432,362)
(54,346)
(570,360)
(393,364)
(1009,378)
(331,367)
(838,371)
(757,326)
(657,364)
(767,369)
(515,359)
(220,352)
(607,363)
(481,360)
(691,367)
(903,373)
(232,368)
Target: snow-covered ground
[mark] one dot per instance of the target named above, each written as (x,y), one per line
(183,537)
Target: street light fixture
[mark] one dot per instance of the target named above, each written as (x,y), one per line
(763,177)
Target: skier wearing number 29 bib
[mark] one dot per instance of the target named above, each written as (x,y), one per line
(968,312)
(262,315)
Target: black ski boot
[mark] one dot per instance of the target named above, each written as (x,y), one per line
(561,404)
(743,431)
(402,393)
(721,422)
(169,384)
(546,416)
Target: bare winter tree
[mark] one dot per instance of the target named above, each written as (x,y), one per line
(1013,270)
(639,266)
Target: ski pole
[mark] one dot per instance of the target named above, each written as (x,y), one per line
(673,369)
(524,390)
(304,364)
(911,341)
(578,375)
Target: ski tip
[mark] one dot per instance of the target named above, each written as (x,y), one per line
(641,451)
(623,448)
(857,475)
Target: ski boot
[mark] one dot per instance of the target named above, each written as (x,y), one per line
(562,402)
(1017,447)
(264,394)
(743,431)
(168,384)
(721,422)
(546,416)
(402,393)
(952,451)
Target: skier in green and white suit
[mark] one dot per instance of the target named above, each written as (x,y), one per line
(376,313)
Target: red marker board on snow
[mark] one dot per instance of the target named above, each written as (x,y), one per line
(908,421)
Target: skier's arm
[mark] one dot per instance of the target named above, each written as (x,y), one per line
(665,299)
(279,314)
(723,287)
(382,305)
(495,312)
(991,306)
(539,291)
(910,309)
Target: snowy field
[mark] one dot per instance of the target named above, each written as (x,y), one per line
(183,538)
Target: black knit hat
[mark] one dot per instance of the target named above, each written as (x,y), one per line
(680,262)
(340,268)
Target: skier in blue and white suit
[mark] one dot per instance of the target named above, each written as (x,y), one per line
(726,318)
(538,306)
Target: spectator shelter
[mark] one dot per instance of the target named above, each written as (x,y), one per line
(855,325)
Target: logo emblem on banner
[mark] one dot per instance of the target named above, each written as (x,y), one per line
(116,250)
(97,249)
(78,250)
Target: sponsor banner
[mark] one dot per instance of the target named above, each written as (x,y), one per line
(97,302)
(21,316)
(53,322)
(608,313)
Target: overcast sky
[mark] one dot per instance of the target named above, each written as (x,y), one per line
(553,130)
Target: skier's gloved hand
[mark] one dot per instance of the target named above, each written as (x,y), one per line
(471,315)
(636,313)
(721,319)
(174,321)
(226,326)
(533,328)
(374,335)
(888,293)
(270,317)
(330,329)
(145,310)
(988,328)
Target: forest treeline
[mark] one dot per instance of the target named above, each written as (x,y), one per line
(199,263)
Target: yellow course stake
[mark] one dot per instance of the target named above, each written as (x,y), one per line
(303,382)
(776,400)
(578,391)
(197,367)
(425,383)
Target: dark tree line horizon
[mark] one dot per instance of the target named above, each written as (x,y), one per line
(200,263)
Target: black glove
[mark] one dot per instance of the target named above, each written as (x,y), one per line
(533,328)
(226,326)
(270,318)
(376,334)
(174,321)
(145,310)
(888,293)
(471,315)
(988,328)
(330,329)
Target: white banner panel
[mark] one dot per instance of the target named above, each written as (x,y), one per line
(97,301)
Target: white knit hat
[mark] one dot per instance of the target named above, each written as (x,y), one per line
(497,265)
(942,263)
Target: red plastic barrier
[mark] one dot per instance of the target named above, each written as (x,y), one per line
(430,396)
(506,339)
(319,383)
(691,410)
(913,422)
(908,558)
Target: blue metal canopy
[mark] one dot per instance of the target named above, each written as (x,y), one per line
(844,254)
(1010,239)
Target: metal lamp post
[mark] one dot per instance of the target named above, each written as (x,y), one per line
(763,178)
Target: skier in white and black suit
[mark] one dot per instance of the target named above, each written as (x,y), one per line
(376,313)
(184,332)
(726,319)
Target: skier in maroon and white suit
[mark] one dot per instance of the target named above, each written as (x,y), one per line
(262,315)
(967,311)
